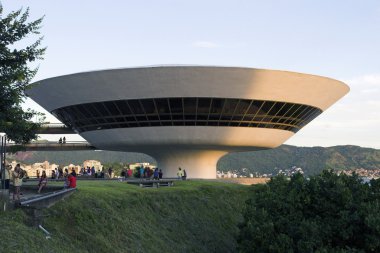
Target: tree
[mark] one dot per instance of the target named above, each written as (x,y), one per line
(325,213)
(15,75)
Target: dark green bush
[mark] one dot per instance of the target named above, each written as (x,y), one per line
(326,213)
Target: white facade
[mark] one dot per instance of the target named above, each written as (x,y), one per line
(193,148)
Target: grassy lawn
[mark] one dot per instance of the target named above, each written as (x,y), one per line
(111,216)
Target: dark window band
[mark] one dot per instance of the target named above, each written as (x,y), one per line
(189,111)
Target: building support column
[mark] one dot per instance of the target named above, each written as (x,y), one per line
(197,163)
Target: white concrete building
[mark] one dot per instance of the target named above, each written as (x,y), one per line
(187,116)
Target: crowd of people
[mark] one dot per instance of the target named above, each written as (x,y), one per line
(17,175)
(70,179)
(143,172)
(148,173)
(91,171)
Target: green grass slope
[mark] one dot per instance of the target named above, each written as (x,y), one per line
(193,216)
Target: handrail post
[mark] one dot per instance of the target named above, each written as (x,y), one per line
(2,158)
(4,193)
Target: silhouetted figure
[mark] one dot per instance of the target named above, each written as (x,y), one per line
(64,140)
(60,140)
(160,174)
(42,182)
(155,174)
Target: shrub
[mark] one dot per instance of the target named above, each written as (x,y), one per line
(326,213)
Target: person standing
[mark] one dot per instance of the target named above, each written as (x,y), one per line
(17,181)
(56,174)
(179,173)
(155,174)
(7,176)
(65,176)
(184,176)
(64,140)
(160,174)
(60,172)
(129,172)
(43,181)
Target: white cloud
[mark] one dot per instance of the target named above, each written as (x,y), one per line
(374,103)
(205,44)
(366,80)
(372,79)
(374,90)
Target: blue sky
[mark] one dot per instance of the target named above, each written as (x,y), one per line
(338,39)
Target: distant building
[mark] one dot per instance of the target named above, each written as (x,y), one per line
(93,163)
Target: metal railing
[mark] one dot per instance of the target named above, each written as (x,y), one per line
(52,145)
(47,196)
(55,128)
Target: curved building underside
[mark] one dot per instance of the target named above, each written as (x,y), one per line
(186,116)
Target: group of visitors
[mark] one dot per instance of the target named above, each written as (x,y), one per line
(16,176)
(88,171)
(57,173)
(126,173)
(157,174)
(181,174)
(70,180)
(62,140)
(146,172)
(91,171)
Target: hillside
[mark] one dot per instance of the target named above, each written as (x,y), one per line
(192,216)
(311,159)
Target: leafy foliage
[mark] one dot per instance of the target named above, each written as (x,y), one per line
(327,213)
(15,74)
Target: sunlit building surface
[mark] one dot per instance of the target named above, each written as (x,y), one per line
(187,116)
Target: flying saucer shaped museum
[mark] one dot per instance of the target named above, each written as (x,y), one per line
(187,116)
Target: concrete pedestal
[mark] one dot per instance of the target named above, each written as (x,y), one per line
(197,163)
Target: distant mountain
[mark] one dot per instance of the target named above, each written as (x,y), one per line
(311,159)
